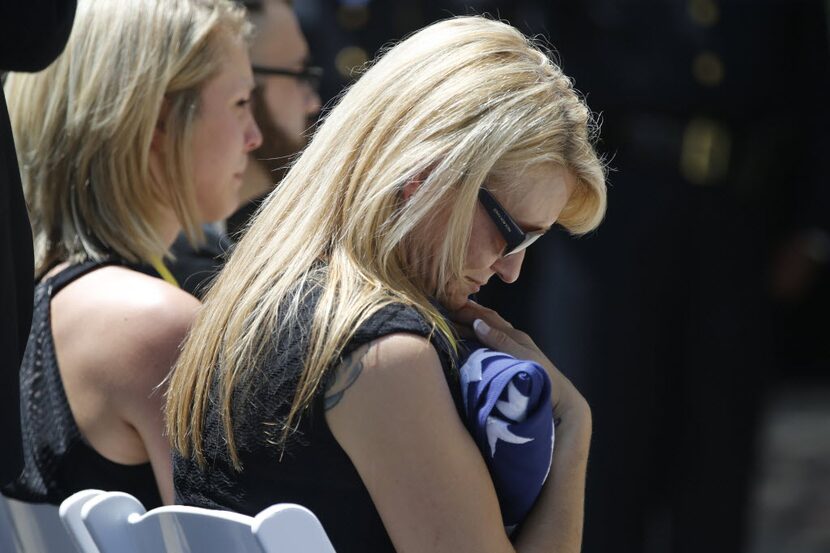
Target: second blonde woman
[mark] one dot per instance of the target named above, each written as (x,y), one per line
(323,369)
(140,129)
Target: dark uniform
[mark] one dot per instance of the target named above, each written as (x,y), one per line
(713,119)
(32,34)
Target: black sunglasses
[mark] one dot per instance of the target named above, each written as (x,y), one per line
(516,238)
(312,75)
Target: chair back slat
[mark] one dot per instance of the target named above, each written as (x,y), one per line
(8,538)
(290,528)
(38,527)
(107,518)
(186,529)
(118,523)
(70,514)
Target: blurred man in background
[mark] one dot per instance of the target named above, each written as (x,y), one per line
(283,102)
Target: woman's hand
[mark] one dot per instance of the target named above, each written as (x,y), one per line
(555,522)
(498,334)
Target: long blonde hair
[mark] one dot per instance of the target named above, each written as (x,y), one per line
(84,126)
(455,103)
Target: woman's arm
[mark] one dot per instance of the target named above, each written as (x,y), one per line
(558,513)
(161,329)
(555,522)
(117,334)
(392,412)
(498,334)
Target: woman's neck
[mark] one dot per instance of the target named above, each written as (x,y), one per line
(168,227)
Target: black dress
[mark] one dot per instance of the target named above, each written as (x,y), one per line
(313,471)
(57,460)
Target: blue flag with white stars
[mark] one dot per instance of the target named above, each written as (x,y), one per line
(509,414)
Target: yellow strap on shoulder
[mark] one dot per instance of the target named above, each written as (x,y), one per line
(161,268)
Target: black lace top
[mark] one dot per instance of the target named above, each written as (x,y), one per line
(58,461)
(313,470)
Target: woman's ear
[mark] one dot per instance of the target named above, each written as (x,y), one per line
(409,188)
(412,185)
(160,132)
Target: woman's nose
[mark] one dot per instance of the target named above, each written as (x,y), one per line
(509,267)
(253,136)
(313,103)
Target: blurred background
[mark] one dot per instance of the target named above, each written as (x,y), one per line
(695,320)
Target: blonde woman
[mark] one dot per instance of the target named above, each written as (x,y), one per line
(322,369)
(141,128)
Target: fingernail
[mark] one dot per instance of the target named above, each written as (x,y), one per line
(481,327)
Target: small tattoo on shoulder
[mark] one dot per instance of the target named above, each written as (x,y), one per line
(345,375)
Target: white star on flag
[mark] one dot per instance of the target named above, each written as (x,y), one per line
(497,430)
(515,408)
(471,370)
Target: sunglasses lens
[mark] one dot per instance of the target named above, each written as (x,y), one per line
(529,239)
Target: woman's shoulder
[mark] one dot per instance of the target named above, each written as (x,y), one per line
(394,317)
(134,297)
(394,357)
(398,318)
(118,314)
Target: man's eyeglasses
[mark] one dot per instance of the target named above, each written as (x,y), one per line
(310,75)
(516,238)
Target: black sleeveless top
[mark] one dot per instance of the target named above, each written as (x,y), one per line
(313,470)
(57,459)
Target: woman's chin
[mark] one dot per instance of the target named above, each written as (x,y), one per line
(454,301)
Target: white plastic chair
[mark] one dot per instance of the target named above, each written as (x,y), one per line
(8,539)
(70,514)
(118,523)
(37,528)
